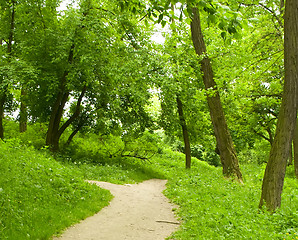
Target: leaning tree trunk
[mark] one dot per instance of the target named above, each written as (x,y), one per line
(183,125)
(225,144)
(276,167)
(295,143)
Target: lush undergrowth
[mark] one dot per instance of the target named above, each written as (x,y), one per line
(212,207)
(39,196)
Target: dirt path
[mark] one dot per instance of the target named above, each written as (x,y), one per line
(137,212)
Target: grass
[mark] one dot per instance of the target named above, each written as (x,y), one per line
(214,208)
(210,206)
(39,196)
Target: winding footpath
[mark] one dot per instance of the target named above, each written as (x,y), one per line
(137,212)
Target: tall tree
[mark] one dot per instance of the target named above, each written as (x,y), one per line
(225,144)
(8,15)
(276,167)
(186,141)
(23,112)
(182,121)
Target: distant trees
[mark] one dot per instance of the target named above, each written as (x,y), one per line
(71,66)
(94,68)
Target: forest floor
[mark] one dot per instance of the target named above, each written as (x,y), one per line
(137,211)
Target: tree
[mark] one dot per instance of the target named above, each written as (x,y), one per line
(8,17)
(190,10)
(224,141)
(183,109)
(275,170)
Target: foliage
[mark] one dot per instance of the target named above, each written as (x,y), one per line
(104,149)
(210,207)
(39,196)
(34,136)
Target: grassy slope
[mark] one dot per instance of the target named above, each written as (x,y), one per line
(39,196)
(214,208)
(36,191)
(211,207)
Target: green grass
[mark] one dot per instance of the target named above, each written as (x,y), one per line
(212,207)
(118,171)
(39,196)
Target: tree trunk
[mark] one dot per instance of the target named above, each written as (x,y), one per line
(225,144)
(54,135)
(187,150)
(52,139)
(295,143)
(290,159)
(2,101)
(9,52)
(276,167)
(23,112)
(73,134)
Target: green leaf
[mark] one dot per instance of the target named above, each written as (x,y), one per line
(223,35)
(222,25)
(188,21)
(211,19)
(160,17)
(232,30)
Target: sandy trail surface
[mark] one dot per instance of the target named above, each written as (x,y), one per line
(137,212)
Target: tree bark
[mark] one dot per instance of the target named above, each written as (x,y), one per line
(23,112)
(52,139)
(2,101)
(295,143)
(183,125)
(290,159)
(225,144)
(72,135)
(9,52)
(276,167)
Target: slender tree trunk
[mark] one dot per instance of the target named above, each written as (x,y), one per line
(2,101)
(75,115)
(9,52)
(224,140)
(187,150)
(71,136)
(23,112)
(295,143)
(276,167)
